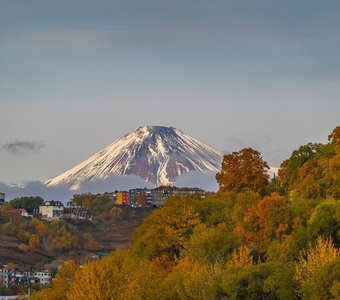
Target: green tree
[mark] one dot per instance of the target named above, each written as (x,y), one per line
(261,281)
(211,244)
(166,230)
(289,169)
(28,203)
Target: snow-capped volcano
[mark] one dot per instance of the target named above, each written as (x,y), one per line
(155,153)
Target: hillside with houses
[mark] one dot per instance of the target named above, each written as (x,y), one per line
(36,236)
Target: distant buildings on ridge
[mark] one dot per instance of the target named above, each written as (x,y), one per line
(157,197)
(54,210)
(138,197)
(149,198)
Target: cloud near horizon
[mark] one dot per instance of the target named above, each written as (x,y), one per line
(64,193)
(24,147)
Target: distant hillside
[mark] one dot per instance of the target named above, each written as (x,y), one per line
(32,241)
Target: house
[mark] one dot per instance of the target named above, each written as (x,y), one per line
(22,277)
(23,212)
(51,210)
(76,211)
(2,198)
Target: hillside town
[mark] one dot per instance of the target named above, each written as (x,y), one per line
(53,210)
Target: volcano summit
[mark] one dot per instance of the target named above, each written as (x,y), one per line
(157,154)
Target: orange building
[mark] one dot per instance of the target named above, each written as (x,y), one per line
(123,198)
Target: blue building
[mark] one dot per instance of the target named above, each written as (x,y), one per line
(2,198)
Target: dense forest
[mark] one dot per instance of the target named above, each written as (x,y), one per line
(254,239)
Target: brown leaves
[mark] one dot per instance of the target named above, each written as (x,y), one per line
(265,220)
(243,169)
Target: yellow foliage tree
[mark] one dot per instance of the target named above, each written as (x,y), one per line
(34,242)
(11,266)
(313,258)
(61,283)
(178,228)
(167,230)
(241,258)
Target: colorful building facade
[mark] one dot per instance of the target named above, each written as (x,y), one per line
(123,198)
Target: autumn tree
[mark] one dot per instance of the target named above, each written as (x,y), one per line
(334,137)
(243,169)
(241,258)
(166,230)
(8,213)
(41,227)
(312,261)
(289,169)
(84,200)
(34,242)
(60,285)
(313,170)
(266,220)
(90,243)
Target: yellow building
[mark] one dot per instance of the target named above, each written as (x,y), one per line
(123,198)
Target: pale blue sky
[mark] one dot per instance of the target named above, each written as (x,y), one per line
(76,75)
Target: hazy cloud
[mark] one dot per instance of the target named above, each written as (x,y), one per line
(64,194)
(24,147)
(198,179)
(234,144)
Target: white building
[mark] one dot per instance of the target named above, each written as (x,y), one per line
(23,212)
(43,277)
(51,210)
(4,278)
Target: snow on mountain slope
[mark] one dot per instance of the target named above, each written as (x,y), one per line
(155,153)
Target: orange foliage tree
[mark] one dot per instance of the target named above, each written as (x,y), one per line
(266,219)
(243,169)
